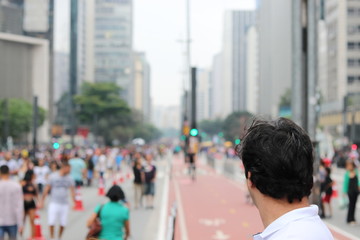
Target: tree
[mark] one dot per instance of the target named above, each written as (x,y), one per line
(211,127)
(20,113)
(235,125)
(100,106)
(100,100)
(285,99)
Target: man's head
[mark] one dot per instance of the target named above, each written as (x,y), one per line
(4,171)
(278,159)
(8,156)
(65,168)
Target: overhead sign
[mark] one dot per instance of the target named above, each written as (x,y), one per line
(36,16)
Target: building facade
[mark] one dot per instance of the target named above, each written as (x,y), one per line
(275,54)
(252,70)
(24,62)
(203,94)
(236,26)
(142,85)
(113,58)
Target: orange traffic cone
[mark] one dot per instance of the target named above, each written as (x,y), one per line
(38,234)
(78,200)
(101,191)
(121,179)
(335,193)
(128,175)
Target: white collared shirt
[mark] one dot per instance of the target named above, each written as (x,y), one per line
(299,224)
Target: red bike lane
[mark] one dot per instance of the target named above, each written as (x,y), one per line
(213,207)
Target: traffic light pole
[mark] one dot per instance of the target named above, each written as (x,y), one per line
(193,98)
(35,125)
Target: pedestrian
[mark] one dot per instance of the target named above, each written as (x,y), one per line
(12,164)
(11,205)
(101,164)
(149,176)
(60,184)
(114,216)
(30,193)
(26,164)
(78,170)
(53,166)
(42,173)
(90,168)
(278,161)
(327,194)
(351,188)
(138,183)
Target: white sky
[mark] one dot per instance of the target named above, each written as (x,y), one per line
(159,25)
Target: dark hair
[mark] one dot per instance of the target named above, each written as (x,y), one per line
(328,171)
(279,156)
(65,164)
(4,170)
(28,175)
(115,193)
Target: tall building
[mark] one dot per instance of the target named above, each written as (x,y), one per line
(142,98)
(252,71)
(236,26)
(275,54)
(113,44)
(11,16)
(353,45)
(203,94)
(218,108)
(167,117)
(342,22)
(24,67)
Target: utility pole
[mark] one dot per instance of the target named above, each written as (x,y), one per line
(6,129)
(73,65)
(193,97)
(304,85)
(35,125)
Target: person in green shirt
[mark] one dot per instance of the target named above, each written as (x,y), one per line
(351,187)
(114,216)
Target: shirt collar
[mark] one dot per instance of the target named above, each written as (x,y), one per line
(285,219)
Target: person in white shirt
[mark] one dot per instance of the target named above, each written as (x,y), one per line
(278,161)
(12,164)
(42,172)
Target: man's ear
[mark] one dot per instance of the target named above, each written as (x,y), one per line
(249,183)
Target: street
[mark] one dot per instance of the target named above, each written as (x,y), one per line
(214,206)
(144,223)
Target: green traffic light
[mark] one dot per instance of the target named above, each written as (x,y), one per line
(56,145)
(194,132)
(237,141)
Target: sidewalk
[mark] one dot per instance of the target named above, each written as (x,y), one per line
(214,206)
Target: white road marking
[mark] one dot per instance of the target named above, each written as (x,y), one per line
(164,203)
(212,222)
(183,229)
(220,235)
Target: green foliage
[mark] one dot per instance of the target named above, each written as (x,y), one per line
(147,132)
(235,124)
(20,114)
(101,107)
(211,127)
(101,99)
(285,99)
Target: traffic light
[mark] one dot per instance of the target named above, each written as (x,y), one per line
(194,132)
(56,145)
(237,141)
